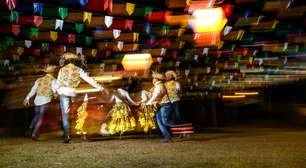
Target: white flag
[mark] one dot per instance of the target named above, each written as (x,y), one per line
(28,43)
(205,51)
(227,29)
(108,20)
(120,45)
(163,51)
(79,50)
(116,33)
(59,24)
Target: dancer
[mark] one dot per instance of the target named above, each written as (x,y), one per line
(120,118)
(68,79)
(45,89)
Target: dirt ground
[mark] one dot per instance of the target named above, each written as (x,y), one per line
(280,148)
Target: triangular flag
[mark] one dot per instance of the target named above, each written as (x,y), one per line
(108,4)
(116,33)
(71,38)
(28,43)
(182,43)
(148,27)
(108,20)
(87,17)
(94,52)
(135,37)
(53,35)
(44,46)
(20,50)
(285,60)
(83,2)
(59,24)
(62,12)
(165,29)
(128,25)
(11,4)
(129,7)
(79,50)
(88,40)
(14,16)
(177,63)
(79,27)
(15,29)
(180,32)
(10,41)
(36,52)
(135,46)
(227,29)
(38,7)
(34,32)
(120,45)
(159,60)
(38,20)
(148,11)
(16,57)
(205,51)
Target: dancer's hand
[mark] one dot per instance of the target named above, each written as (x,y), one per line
(105,91)
(26,102)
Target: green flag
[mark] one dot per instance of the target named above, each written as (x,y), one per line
(10,41)
(14,16)
(165,29)
(45,46)
(148,11)
(238,58)
(79,27)
(63,12)
(88,40)
(34,32)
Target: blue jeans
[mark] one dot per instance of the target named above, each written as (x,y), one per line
(163,119)
(177,116)
(65,103)
(37,120)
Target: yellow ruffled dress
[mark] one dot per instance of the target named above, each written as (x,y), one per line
(146,117)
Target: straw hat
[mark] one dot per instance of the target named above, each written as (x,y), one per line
(69,55)
(171,75)
(50,69)
(158,76)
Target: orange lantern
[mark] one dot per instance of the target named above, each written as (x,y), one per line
(138,62)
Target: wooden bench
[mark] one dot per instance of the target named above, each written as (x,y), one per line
(183,130)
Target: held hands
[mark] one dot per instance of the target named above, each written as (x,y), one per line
(26,102)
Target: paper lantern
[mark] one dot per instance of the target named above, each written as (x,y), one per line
(137,62)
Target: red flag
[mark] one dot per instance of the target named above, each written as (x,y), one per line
(38,20)
(108,4)
(11,4)
(15,29)
(128,25)
(71,38)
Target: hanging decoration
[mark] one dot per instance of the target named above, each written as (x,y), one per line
(44,46)
(38,7)
(108,20)
(14,16)
(120,45)
(79,50)
(28,43)
(87,17)
(128,25)
(116,33)
(53,35)
(62,12)
(148,11)
(135,62)
(88,40)
(10,41)
(135,37)
(79,27)
(83,2)
(59,24)
(129,7)
(227,30)
(148,28)
(15,29)
(71,38)
(163,51)
(94,52)
(11,4)
(108,5)
(34,32)
(20,50)
(38,20)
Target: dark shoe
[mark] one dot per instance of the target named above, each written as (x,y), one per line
(67,139)
(28,132)
(34,138)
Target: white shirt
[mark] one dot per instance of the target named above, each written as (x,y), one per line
(157,92)
(40,100)
(123,93)
(69,91)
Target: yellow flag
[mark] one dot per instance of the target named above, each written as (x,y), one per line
(94,52)
(250,60)
(135,37)
(129,8)
(53,35)
(87,16)
(180,32)
(182,43)
(20,50)
(135,46)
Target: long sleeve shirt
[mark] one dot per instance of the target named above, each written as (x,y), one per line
(124,94)
(158,93)
(40,99)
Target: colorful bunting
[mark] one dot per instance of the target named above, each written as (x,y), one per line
(108,20)
(38,7)
(129,7)
(88,40)
(83,2)
(120,45)
(36,52)
(227,30)
(11,4)
(44,46)
(28,43)
(15,29)
(79,50)
(94,52)
(87,17)
(20,50)
(163,51)
(148,11)
(71,38)
(108,5)
(38,20)
(148,27)
(53,35)
(135,37)
(79,27)
(128,25)
(165,29)
(10,41)
(59,24)
(34,33)
(63,12)
(116,33)
(14,16)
